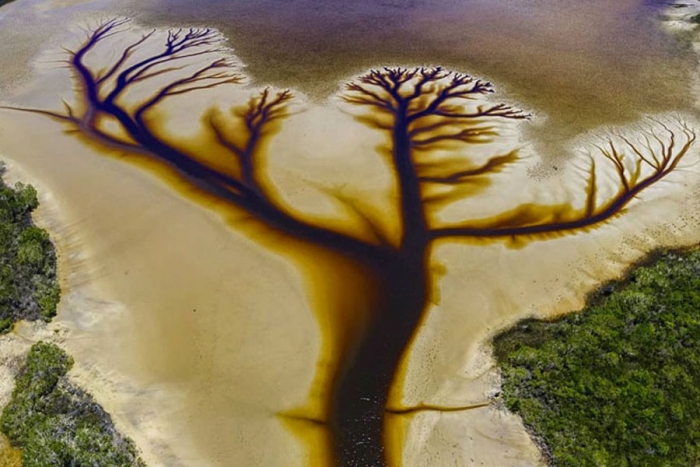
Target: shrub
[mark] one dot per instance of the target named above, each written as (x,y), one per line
(28,285)
(55,423)
(617,384)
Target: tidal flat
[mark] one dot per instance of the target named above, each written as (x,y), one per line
(239,263)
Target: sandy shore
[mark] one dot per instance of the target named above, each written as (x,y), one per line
(193,366)
(195,336)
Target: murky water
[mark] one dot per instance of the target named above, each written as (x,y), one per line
(578,63)
(213,339)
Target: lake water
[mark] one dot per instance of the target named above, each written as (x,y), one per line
(579,64)
(212,340)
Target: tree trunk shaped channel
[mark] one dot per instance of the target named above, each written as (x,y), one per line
(363,383)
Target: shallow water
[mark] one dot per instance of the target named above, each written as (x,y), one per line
(578,63)
(212,339)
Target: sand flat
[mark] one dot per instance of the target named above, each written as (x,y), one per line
(197,334)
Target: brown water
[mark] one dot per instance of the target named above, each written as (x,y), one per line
(211,340)
(579,63)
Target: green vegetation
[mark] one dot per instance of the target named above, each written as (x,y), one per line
(57,424)
(28,286)
(617,384)
(51,421)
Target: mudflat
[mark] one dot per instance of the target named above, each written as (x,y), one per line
(214,339)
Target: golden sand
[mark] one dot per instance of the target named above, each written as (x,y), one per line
(197,329)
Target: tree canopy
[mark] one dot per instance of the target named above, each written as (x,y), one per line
(58,424)
(28,285)
(618,383)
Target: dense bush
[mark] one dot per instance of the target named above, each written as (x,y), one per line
(57,424)
(617,384)
(53,422)
(28,285)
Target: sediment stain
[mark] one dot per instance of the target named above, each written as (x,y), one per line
(428,116)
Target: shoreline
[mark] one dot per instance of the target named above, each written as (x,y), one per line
(628,309)
(194,330)
(80,302)
(52,221)
(682,20)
